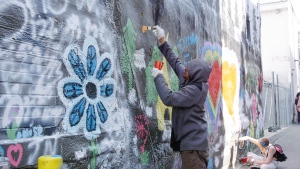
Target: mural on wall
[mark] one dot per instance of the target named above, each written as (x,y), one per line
(163,112)
(75,80)
(231,115)
(212,52)
(88,91)
(253,87)
(15,151)
(128,50)
(143,135)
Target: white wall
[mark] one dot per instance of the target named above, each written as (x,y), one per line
(279,42)
(274,44)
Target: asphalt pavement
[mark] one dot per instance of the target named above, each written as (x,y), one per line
(289,138)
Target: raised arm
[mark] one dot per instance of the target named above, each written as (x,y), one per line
(162,40)
(168,53)
(252,140)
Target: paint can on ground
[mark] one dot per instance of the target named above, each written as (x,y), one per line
(50,162)
(244,160)
(4,163)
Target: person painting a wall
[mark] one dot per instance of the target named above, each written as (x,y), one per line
(270,154)
(189,125)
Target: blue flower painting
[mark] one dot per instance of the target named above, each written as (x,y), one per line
(89,90)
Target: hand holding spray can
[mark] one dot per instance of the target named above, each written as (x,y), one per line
(158,64)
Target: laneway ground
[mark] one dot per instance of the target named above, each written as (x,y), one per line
(289,138)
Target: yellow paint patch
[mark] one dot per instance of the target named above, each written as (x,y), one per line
(229,85)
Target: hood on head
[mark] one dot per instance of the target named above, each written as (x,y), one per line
(199,70)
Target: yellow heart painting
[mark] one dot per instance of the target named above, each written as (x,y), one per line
(229,85)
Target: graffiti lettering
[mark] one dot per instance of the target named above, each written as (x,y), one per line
(187,57)
(281,58)
(41,146)
(185,42)
(35,131)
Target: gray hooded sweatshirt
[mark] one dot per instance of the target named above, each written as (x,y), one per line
(189,125)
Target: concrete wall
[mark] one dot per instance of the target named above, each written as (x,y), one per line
(280,51)
(75,79)
(277,55)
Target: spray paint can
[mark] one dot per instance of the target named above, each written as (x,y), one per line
(158,64)
(148,28)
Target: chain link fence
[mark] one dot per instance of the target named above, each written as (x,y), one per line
(277,106)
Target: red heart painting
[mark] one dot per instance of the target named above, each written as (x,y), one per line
(214,82)
(17,151)
(213,54)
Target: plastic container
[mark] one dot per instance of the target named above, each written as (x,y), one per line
(244,160)
(4,163)
(50,162)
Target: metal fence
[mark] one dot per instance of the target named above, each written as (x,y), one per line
(277,106)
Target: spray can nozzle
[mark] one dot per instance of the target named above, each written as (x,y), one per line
(148,28)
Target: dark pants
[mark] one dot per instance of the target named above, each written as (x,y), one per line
(193,159)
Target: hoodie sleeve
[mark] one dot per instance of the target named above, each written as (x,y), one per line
(173,60)
(184,97)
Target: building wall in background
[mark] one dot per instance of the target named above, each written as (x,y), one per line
(280,52)
(280,56)
(75,80)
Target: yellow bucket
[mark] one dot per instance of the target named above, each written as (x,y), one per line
(50,162)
